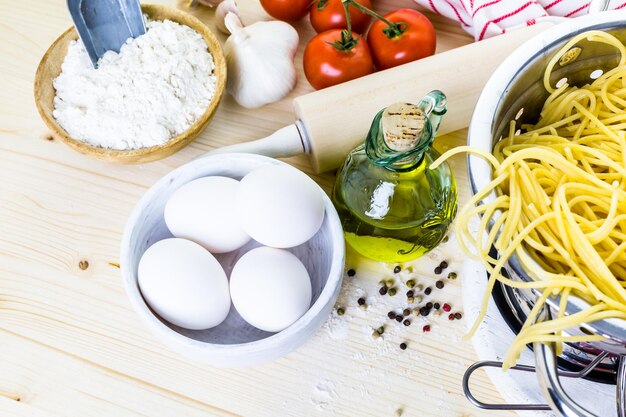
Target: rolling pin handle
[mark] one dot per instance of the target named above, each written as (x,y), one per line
(283,143)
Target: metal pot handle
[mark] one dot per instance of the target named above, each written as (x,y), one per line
(621,387)
(546,366)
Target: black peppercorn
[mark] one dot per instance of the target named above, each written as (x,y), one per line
(458,316)
(438,270)
(428,290)
(443,264)
(410,293)
(391,315)
(403,346)
(406,312)
(437,306)
(407,322)
(397,269)
(399,318)
(382,290)
(429,305)
(351,272)
(361,301)
(439,284)
(424,311)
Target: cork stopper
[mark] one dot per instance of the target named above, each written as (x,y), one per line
(402,125)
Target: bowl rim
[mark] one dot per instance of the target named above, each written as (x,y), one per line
(176,142)
(480,132)
(333,283)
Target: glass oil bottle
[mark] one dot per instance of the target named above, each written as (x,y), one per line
(392,206)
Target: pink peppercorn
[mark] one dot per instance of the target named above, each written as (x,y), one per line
(451,316)
(426,328)
(446,307)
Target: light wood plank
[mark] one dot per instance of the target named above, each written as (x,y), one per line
(29,365)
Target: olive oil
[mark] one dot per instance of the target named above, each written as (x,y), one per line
(392,206)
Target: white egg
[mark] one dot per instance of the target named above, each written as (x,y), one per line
(203,211)
(184,284)
(280,206)
(270,288)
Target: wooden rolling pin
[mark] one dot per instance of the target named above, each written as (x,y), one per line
(331,122)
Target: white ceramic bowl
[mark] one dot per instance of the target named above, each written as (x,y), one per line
(234,342)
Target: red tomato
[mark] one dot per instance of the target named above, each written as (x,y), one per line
(330,14)
(287,10)
(412,39)
(331,58)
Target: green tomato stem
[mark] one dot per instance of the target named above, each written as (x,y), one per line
(346,43)
(321,4)
(348,20)
(396,30)
(391,31)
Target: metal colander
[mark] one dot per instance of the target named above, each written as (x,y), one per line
(516,92)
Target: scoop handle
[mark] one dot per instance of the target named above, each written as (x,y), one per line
(336,119)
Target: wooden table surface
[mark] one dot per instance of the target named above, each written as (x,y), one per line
(70,345)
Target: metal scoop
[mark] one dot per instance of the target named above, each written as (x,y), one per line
(105,25)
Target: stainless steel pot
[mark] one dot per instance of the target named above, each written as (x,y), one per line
(515,92)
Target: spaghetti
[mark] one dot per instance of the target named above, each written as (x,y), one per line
(559,205)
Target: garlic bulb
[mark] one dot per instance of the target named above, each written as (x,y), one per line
(260,61)
(220,14)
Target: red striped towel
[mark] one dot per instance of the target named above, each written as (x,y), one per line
(486,18)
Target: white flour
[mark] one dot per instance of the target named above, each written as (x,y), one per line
(155,88)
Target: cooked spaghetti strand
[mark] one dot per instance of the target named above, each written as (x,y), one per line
(558,204)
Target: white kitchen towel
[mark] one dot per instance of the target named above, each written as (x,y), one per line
(486,18)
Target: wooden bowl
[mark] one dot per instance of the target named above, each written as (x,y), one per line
(50,68)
